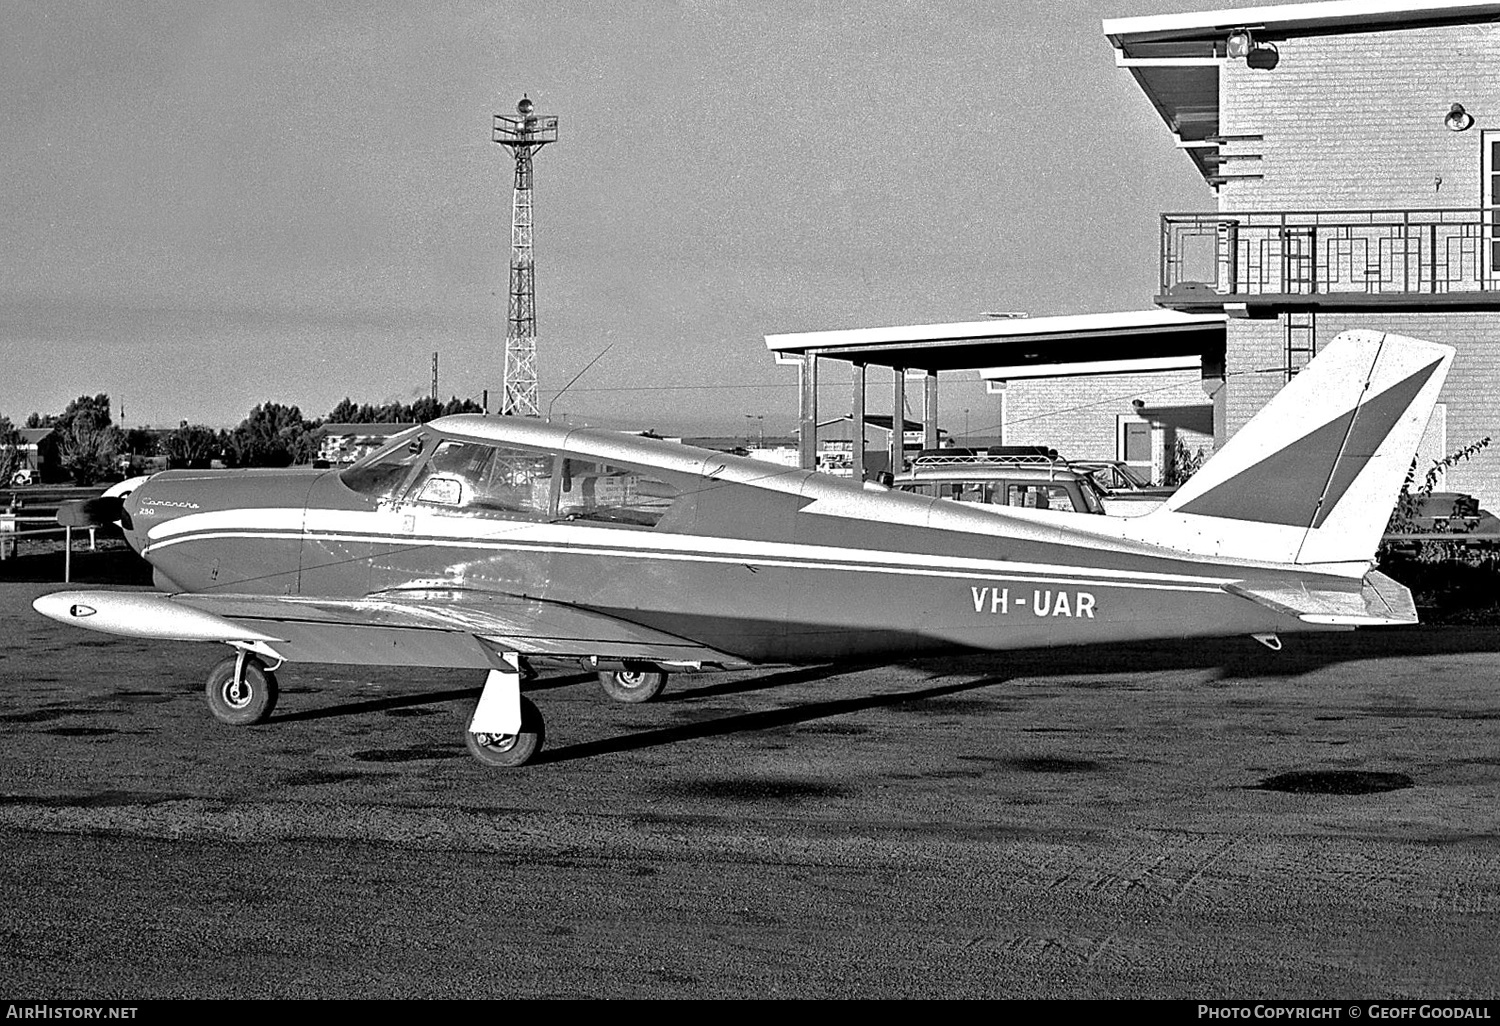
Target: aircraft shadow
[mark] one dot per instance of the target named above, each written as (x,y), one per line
(771,718)
(375,705)
(378,705)
(795,675)
(1230,657)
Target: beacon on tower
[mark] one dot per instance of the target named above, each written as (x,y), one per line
(523,133)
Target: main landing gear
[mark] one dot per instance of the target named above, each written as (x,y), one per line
(241,691)
(634,684)
(505,730)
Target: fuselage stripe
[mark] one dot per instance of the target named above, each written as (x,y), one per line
(968,569)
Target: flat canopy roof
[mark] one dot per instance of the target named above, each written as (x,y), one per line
(1282,20)
(1111,339)
(1175,57)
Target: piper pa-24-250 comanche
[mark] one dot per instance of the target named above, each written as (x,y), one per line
(483,542)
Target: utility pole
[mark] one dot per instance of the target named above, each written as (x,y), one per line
(523,133)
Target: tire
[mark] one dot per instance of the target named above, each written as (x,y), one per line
(505,751)
(632,685)
(256,695)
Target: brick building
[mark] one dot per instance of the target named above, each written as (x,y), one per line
(1354,148)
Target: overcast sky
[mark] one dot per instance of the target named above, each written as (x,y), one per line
(208,205)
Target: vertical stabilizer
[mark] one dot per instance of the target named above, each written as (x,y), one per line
(1315,474)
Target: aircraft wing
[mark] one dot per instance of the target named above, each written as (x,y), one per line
(504,622)
(406,627)
(1374,601)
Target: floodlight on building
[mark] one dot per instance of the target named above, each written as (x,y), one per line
(1458,119)
(1240,43)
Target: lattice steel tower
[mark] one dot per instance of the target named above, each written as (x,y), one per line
(523,133)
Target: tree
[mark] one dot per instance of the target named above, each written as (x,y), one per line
(83,440)
(272,436)
(88,451)
(457,405)
(191,446)
(425,409)
(397,412)
(1183,464)
(11,458)
(142,442)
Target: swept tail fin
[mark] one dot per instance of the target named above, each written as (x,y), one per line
(1312,478)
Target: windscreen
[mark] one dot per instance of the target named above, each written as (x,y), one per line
(383,473)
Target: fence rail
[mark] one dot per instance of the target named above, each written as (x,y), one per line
(1331,252)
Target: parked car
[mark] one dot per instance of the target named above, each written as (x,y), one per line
(1453,513)
(1126,492)
(1025,476)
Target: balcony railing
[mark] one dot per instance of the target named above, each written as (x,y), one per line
(1330,257)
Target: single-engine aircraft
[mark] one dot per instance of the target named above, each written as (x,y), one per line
(484,542)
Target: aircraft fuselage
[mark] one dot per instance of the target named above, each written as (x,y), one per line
(756,573)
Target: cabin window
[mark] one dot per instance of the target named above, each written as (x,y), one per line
(476,478)
(615,495)
(383,474)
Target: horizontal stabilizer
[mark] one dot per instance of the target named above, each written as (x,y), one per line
(1374,601)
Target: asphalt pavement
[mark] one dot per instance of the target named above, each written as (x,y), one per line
(1193,820)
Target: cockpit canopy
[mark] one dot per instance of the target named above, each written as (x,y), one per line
(469,477)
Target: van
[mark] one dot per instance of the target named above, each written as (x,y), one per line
(1029,477)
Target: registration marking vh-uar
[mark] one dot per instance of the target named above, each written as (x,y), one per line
(487,542)
(1041,603)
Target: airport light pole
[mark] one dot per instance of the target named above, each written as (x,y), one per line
(523,133)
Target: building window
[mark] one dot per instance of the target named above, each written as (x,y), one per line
(1491,187)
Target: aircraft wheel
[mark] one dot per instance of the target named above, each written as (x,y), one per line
(506,750)
(633,685)
(245,702)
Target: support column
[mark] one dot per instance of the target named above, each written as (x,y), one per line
(807,441)
(857,425)
(1214,379)
(929,412)
(898,419)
